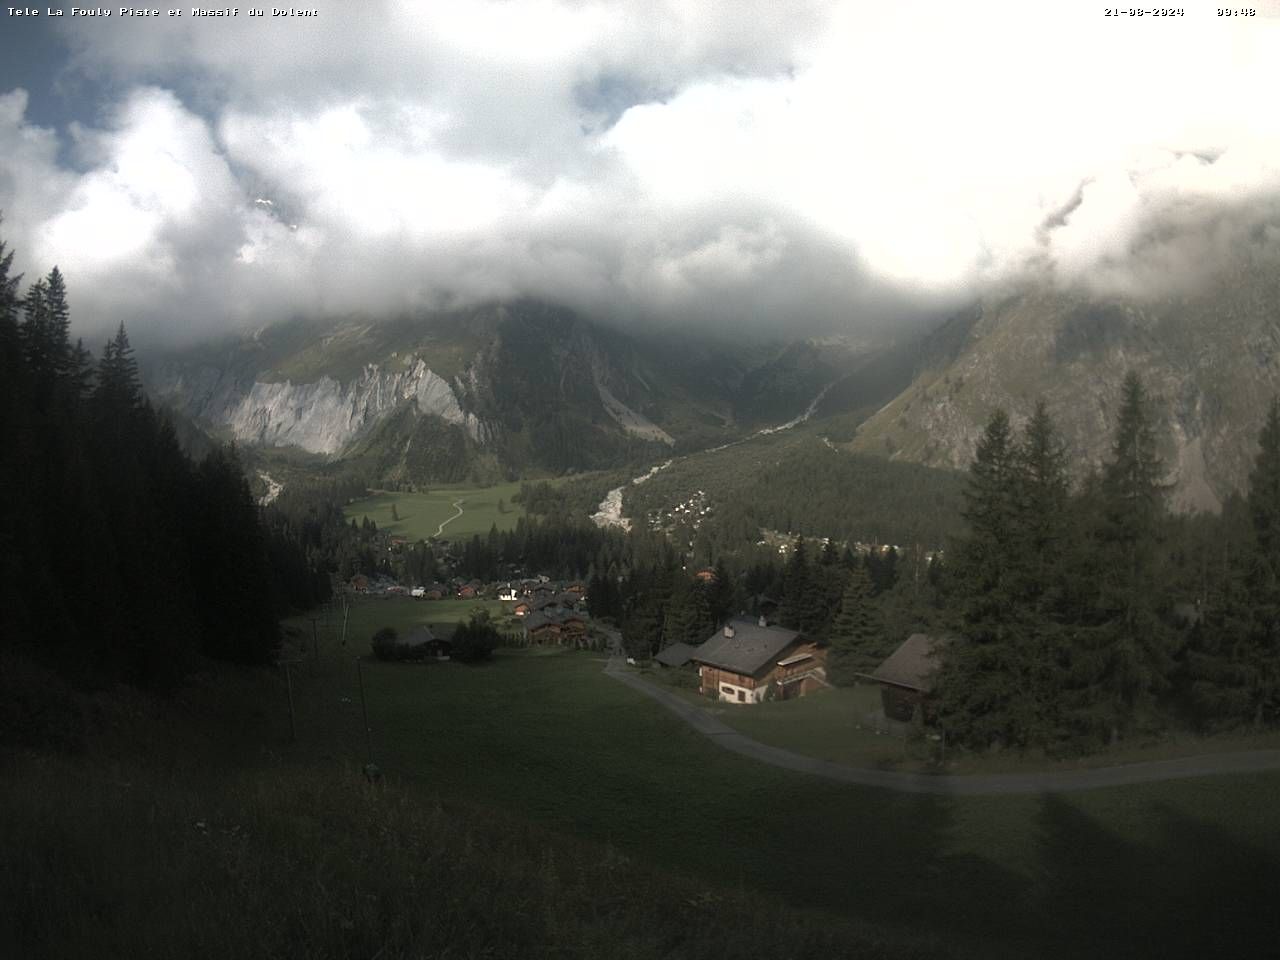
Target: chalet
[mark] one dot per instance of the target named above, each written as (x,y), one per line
(554,626)
(417,643)
(748,659)
(468,591)
(541,628)
(439,647)
(522,608)
(577,587)
(705,575)
(573,627)
(568,600)
(675,655)
(360,583)
(507,592)
(435,591)
(906,677)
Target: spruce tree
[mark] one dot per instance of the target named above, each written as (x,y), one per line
(797,591)
(1261,657)
(1137,646)
(983,693)
(858,642)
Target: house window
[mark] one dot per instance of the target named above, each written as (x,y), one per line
(728,690)
(739,696)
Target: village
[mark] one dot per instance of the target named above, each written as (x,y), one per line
(747,660)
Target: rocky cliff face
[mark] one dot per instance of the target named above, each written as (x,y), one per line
(520,386)
(324,416)
(1211,364)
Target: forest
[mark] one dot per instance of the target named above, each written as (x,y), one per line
(122,559)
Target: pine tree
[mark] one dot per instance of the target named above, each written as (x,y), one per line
(983,694)
(1261,657)
(858,642)
(797,590)
(119,389)
(1137,646)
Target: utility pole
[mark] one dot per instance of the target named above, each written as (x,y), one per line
(288,679)
(346,615)
(315,647)
(364,711)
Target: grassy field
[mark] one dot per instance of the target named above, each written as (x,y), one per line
(546,736)
(841,725)
(369,614)
(542,739)
(422,513)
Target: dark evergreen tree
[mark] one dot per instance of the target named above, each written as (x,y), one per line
(984,694)
(1127,658)
(797,588)
(1259,659)
(857,637)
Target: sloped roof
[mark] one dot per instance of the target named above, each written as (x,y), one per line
(750,649)
(913,664)
(416,637)
(676,655)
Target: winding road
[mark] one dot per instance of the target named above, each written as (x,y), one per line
(457,505)
(986,784)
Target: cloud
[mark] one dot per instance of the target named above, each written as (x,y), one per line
(806,164)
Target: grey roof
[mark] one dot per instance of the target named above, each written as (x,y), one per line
(913,664)
(535,620)
(676,655)
(750,649)
(416,637)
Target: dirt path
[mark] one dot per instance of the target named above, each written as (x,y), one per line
(988,784)
(457,505)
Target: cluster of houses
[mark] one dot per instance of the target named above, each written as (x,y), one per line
(749,661)
(690,512)
(746,661)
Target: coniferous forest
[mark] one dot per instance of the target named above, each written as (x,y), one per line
(122,559)
(1082,616)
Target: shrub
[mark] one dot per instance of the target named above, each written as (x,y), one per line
(386,644)
(476,639)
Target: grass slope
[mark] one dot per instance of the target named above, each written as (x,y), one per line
(367,615)
(422,513)
(547,737)
(542,744)
(193,832)
(840,724)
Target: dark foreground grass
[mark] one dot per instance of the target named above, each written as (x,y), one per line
(175,838)
(1170,866)
(580,818)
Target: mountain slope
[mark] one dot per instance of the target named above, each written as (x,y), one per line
(1211,363)
(503,389)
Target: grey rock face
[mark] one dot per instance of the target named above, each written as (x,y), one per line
(321,417)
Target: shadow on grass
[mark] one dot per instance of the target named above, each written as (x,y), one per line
(1197,892)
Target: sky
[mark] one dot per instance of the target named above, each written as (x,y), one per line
(763,165)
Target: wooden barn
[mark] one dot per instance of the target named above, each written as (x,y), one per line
(906,677)
(747,660)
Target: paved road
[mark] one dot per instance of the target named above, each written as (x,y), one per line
(956,785)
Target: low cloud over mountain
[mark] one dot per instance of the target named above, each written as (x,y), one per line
(812,165)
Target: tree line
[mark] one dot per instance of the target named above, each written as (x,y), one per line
(121,558)
(1081,615)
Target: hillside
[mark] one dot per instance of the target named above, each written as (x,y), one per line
(492,392)
(1211,363)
